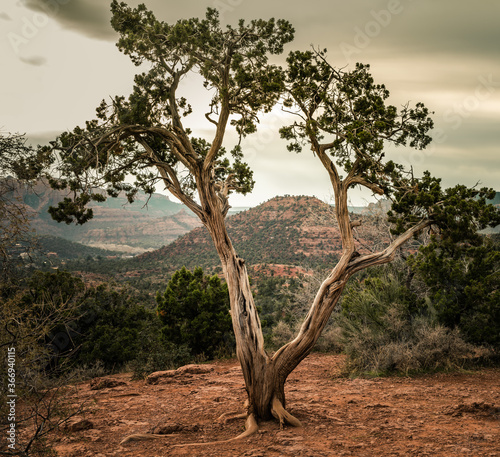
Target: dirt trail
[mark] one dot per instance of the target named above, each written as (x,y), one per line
(432,415)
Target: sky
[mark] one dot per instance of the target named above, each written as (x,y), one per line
(59,60)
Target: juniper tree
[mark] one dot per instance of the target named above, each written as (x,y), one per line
(342,116)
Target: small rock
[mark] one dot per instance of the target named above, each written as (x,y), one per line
(166,429)
(77,426)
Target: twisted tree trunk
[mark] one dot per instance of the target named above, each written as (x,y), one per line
(265,376)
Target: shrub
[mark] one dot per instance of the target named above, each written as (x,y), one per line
(29,321)
(282,333)
(158,357)
(383,330)
(194,310)
(112,327)
(464,286)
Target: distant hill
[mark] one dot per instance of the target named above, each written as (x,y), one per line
(55,247)
(146,224)
(143,234)
(295,231)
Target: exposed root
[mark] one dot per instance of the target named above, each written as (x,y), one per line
(250,426)
(143,437)
(235,414)
(226,417)
(283,415)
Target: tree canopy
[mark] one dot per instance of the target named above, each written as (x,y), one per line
(143,135)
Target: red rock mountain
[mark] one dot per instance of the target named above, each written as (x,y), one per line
(294,231)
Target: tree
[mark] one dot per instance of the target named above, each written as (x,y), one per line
(464,285)
(194,310)
(144,135)
(15,230)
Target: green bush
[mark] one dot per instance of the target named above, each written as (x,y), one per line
(111,328)
(463,281)
(159,356)
(31,316)
(194,310)
(385,327)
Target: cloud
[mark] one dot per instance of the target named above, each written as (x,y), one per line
(41,138)
(36,61)
(435,52)
(86,17)
(5,16)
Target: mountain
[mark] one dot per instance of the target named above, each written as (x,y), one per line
(143,235)
(56,248)
(295,231)
(148,223)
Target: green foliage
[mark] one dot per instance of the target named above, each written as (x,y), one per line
(347,111)
(20,160)
(385,328)
(144,136)
(459,213)
(195,312)
(31,316)
(459,265)
(111,328)
(464,285)
(58,288)
(104,324)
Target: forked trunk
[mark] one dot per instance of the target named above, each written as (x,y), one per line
(265,376)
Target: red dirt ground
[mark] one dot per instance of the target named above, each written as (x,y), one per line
(432,415)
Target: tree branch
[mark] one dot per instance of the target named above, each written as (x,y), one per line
(170,179)
(387,255)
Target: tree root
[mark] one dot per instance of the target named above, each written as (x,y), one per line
(250,426)
(143,437)
(283,415)
(226,417)
(235,415)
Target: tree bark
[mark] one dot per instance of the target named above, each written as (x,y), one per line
(265,376)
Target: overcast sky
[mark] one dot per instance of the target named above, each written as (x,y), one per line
(59,60)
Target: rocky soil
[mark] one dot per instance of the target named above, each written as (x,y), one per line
(433,415)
